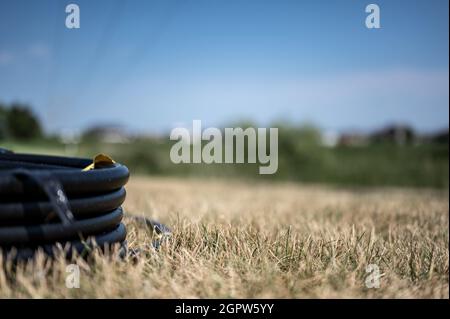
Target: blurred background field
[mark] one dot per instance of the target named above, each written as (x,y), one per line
(392,156)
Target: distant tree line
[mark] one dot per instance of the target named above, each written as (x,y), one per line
(17,121)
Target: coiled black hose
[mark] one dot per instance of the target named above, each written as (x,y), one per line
(50,200)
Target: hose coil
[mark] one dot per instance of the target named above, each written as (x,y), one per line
(47,201)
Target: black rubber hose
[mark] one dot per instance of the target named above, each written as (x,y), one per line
(47,201)
(118,235)
(34,212)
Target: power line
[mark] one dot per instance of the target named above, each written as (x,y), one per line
(54,70)
(149,41)
(110,28)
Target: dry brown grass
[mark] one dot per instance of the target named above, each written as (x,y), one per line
(235,239)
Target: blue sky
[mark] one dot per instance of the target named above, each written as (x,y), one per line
(152,65)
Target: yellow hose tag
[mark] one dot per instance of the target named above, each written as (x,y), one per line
(100,160)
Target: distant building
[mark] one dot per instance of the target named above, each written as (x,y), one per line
(353,139)
(440,137)
(107,134)
(330,138)
(395,134)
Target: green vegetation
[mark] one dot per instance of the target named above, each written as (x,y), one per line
(18,121)
(425,165)
(377,165)
(380,161)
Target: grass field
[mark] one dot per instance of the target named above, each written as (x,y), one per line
(241,239)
